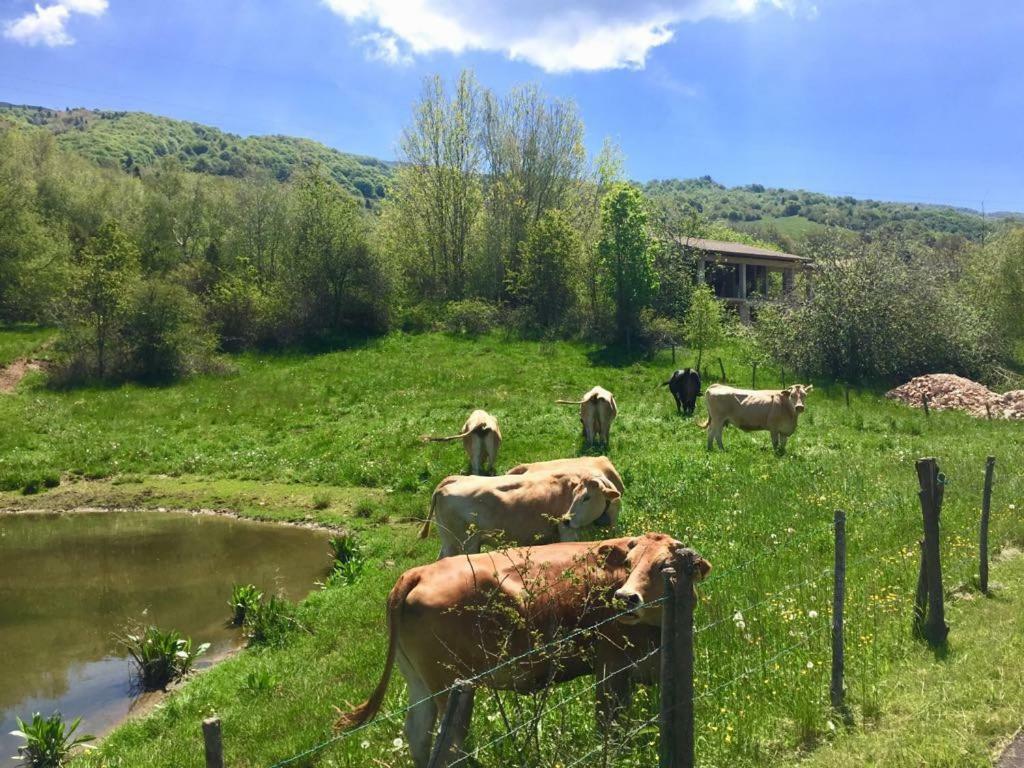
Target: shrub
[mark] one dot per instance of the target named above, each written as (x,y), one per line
(470,317)
(49,741)
(161,657)
(270,622)
(321,501)
(244,597)
(348,560)
(703,324)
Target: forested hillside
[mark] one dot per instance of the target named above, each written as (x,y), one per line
(130,140)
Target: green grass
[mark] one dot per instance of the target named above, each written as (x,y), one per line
(286,433)
(21,341)
(795,226)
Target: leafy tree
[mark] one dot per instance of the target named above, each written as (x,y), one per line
(547,259)
(626,256)
(104,276)
(703,323)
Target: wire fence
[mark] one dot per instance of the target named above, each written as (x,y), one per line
(766,657)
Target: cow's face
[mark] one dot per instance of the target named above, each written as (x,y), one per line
(646,558)
(796,395)
(594,500)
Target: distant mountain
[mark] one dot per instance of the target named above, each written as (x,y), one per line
(131,140)
(136,139)
(774,213)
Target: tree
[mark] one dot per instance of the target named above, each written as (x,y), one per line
(103,279)
(440,183)
(547,259)
(703,324)
(626,257)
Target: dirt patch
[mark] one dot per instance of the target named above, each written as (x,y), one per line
(11,375)
(947,391)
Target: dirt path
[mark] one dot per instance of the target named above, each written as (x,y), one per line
(1013,757)
(11,375)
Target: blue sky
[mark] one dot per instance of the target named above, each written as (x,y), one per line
(890,99)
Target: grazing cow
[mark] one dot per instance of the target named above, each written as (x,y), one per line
(480,437)
(754,409)
(468,617)
(533,508)
(597,410)
(685,388)
(593,465)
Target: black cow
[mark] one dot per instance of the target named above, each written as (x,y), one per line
(685,388)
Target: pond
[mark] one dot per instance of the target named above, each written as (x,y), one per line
(68,582)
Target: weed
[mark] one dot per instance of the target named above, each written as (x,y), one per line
(160,657)
(244,597)
(49,741)
(259,681)
(270,622)
(321,501)
(348,560)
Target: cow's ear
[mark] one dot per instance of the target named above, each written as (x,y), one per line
(611,555)
(786,394)
(611,493)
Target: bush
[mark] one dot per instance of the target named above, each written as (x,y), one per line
(238,309)
(470,317)
(348,560)
(244,598)
(160,656)
(270,622)
(655,332)
(49,741)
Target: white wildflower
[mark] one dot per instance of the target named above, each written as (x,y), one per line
(810,665)
(812,614)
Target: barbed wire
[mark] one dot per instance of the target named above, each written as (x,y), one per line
(467,681)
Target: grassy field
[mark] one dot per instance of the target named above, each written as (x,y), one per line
(19,341)
(284,432)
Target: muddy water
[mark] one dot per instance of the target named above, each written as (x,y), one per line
(68,582)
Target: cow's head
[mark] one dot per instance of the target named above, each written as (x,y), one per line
(796,394)
(645,559)
(594,500)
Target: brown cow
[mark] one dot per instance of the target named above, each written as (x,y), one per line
(596,465)
(597,411)
(532,508)
(467,617)
(773,410)
(480,437)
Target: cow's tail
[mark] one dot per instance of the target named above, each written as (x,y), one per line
(369,708)
(705,424)
(570,402)
(666,383)
(425,530)
(446,439)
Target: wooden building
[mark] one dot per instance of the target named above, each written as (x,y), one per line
(739,274)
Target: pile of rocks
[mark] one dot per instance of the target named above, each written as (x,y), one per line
(947,391)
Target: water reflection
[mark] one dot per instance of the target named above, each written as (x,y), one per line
(68,582)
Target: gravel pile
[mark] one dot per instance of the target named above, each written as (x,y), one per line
(946,391)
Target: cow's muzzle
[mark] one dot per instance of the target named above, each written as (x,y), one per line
(629,603)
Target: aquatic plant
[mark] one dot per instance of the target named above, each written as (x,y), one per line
(49,741)
(243,598)
(348,559)
(160,656)
(270,622)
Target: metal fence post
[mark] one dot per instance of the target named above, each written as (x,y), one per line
(836,691)
(935,628)
(453,725)
(986,506)
(212,742)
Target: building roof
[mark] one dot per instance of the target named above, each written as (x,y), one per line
(741,250)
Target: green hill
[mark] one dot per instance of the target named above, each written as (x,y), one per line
(132,140)
(796,212)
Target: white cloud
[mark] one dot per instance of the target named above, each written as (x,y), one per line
(563,36)
(47,24)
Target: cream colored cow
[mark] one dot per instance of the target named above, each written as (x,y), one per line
(597,411)
(480,437)
(772,410)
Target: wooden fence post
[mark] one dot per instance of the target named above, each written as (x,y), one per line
(453,725)
(924,403)
(213,743)
(836,691)
(931,482)
(753,376)
(921,595)
(673,355)
(986,506)
(677,729)
(721,367)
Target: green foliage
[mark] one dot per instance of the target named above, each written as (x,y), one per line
(626,256)
(259,682)
(703,324)
(160,657)
(49,741)
(470,317)
(244,597)
(348,560)
(270,622)
(548,259)
(135,142)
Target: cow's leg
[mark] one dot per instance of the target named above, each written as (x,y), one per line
(420,719)
(775,440)
(476,450)
(711,435)
(718,435)
(460,727)
(782,443)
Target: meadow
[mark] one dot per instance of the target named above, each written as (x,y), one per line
(334,438)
